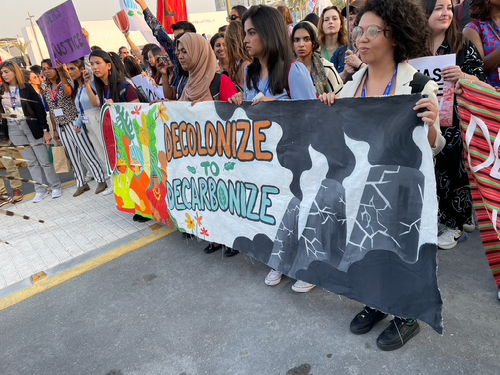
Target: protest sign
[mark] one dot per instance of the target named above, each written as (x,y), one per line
(62,32)
(480,120)
(136,20)
(328,195)
(148,87)
(432,67)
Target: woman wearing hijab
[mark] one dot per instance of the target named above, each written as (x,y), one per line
(197,58)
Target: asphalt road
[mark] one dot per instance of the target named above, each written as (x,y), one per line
(169,308)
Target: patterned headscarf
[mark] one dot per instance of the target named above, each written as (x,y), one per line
(318,70)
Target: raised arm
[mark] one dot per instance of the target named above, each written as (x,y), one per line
(159,32)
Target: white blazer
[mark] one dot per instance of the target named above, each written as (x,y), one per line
(403,80)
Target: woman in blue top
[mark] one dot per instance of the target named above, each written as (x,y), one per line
(273,75)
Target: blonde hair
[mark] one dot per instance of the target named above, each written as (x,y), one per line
(17,72)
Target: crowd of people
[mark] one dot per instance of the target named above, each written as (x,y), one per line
(261,55)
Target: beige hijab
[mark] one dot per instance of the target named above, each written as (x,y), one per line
(202,68)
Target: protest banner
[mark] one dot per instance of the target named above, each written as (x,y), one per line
(63,35)
(432,66)
(136,20)
(148,87)
(329,195)
(479,114)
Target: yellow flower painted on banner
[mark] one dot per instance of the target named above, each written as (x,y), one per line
(190,223)
(162,113)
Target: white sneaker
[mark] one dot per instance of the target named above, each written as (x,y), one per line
(273,277)
(56,193)
(499,295)
(109,191)
(302,287)
(40,197)
(449,238)
(469,228)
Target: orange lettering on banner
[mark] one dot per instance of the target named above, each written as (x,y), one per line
(259,138)
(231,140)
(245,127)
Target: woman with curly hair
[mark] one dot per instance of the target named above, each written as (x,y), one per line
(333,38)
(453,187)
(237,56)
(484,32)
(389,32)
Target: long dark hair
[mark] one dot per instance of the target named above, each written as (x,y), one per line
(407,23)
(156,51)
(113,79)
(271,27)
(118,64)
(49,63)
(132,67)
(453,35)
(80,65)
(480,10)
(240,9)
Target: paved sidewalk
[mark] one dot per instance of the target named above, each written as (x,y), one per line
(73,232)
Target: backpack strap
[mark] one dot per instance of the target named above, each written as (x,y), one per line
(215,86)
(418,82)
(122,91)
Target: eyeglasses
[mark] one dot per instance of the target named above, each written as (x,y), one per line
(232,18)
(372,32)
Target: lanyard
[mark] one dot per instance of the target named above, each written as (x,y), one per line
(388,89)
(82,111)
(13,97)
(55,97)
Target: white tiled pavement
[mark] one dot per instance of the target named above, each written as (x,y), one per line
(73,227)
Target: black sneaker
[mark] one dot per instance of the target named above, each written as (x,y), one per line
(366,320)
(230,252)
(397,334)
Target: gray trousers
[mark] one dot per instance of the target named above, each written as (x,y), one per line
(39,163)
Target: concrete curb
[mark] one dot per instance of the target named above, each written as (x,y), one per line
(58,275)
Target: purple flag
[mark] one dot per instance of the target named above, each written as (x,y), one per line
(63,35)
